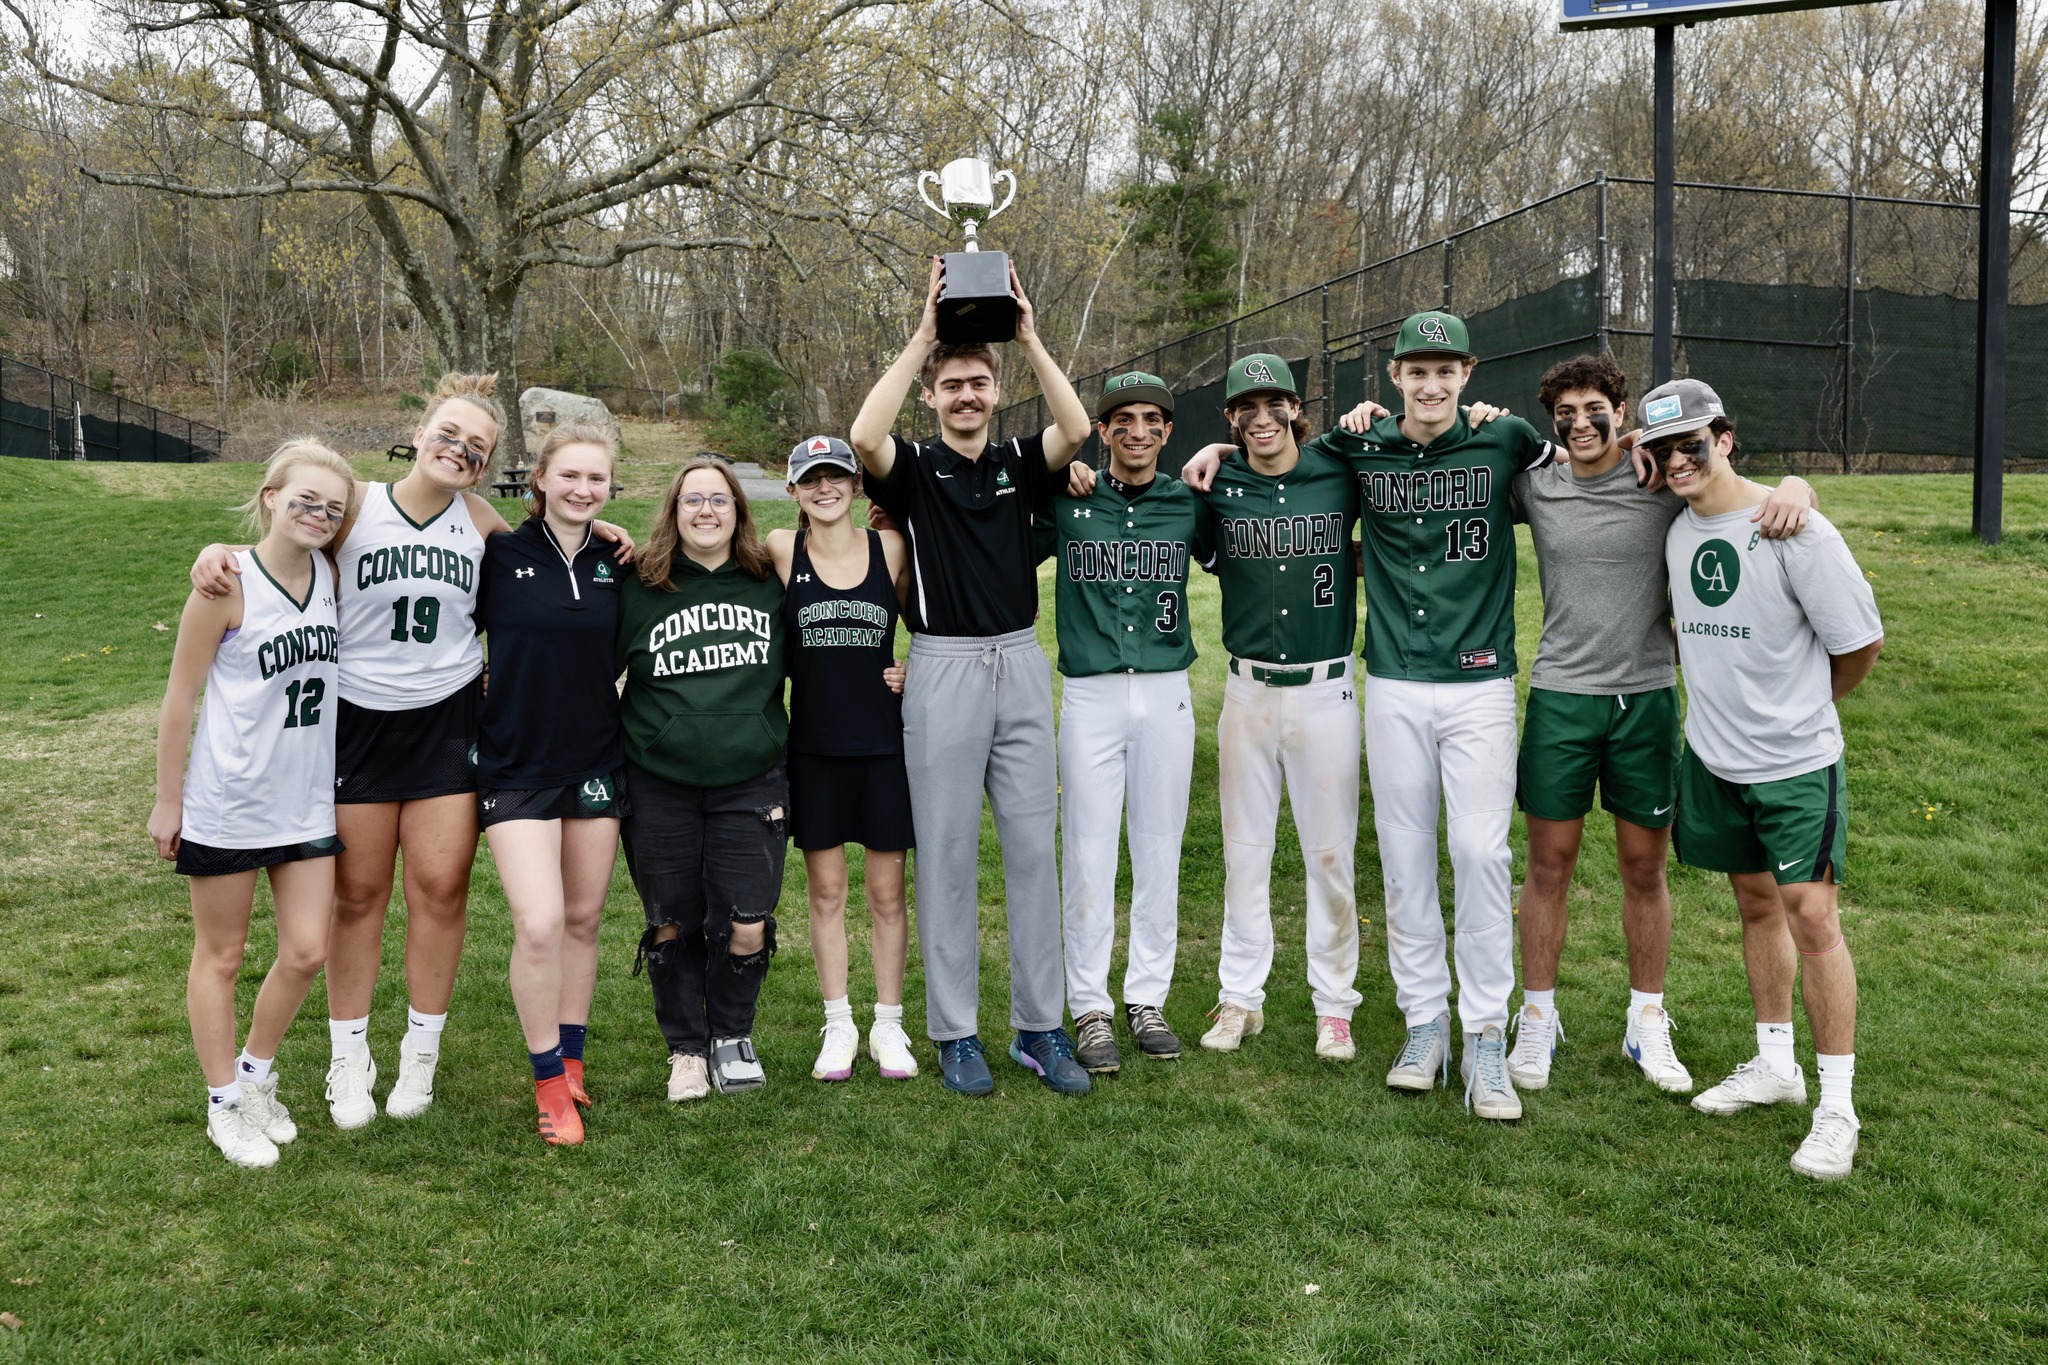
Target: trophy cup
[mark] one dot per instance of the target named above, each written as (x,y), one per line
(975,303)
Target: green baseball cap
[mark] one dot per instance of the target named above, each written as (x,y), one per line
(1263,372)
(1433,334)
(1135,387)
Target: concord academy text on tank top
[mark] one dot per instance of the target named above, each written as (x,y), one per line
(408,605)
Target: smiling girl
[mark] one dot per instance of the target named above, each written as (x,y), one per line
(260,789)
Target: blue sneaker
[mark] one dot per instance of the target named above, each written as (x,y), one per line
(963,1064)
(1051,1055)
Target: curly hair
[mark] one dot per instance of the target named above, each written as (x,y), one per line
(1597,372)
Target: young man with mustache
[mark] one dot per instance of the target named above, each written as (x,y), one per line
(977,700)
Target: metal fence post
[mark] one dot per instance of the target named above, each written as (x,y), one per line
(1600,259)
(1449,249)
(1329,370)
(1849,338)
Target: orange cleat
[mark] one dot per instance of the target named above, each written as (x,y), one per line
(572,1068)
(560,1124)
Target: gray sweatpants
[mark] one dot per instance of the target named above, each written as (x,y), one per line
(977,715)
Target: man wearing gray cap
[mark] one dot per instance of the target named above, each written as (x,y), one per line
(1771,634)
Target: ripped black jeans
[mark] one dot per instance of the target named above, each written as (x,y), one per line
(704,859)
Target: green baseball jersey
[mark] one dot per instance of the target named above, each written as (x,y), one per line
(1120,592)
(1439,545)
(1283,557)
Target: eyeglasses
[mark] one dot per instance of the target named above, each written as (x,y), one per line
(813,477)
(331,513)
(475,452)
(694,502)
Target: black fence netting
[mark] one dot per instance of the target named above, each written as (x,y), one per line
(44,416)
(1840,330)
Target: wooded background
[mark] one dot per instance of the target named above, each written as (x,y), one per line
(203,203)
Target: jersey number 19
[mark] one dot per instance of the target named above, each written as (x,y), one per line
(425,623)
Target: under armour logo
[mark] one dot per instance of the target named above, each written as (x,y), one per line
(803,578)
(522,573)
(1080,512)
(491,804)
(1432,329)
(1233,492)
(454,530)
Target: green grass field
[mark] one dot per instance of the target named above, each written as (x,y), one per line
(1255,1207)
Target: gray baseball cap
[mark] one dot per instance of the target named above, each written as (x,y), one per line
(1680,406)
(821,450)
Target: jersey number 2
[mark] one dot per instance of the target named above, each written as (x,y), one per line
(1465,539)
(425,623)
(1326,586)
(302,703)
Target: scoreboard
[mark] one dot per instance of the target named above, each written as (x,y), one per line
(1584,14)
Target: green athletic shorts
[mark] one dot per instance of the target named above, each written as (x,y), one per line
(1796,829)
(1628,744)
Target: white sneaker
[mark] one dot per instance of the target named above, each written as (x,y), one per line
(1489,1093)
(1537,1034)
(835,1054)
(1749,1085)
(1425,1059)
(1234,1023)
(238,1138)
(689,1077)
(1830,1147)
(889,1045)
(349,1080)
(1333,1039)
(415,1089)
(266,1111)
(1647,1041)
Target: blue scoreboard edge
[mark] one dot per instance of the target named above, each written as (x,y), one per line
(1584,14)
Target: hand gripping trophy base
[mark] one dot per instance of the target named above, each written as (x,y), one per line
(976,304)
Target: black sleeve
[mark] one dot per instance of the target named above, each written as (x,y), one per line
(1041,485)
(896,494)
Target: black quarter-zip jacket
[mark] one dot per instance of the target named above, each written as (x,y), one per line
(551,714)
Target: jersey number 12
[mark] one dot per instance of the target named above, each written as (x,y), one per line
(302,703)
(425,623)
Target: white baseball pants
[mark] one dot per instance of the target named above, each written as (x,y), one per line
(1127,751)
(1453,742)
(1304,741)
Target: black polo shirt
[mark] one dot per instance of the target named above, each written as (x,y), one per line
(551,714)
(968,523)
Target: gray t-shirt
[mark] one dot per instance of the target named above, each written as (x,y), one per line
(1757,620)
(1600,555)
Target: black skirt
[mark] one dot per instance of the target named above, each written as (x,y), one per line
(406,755)
(601,798)
(861,800)
(204,860)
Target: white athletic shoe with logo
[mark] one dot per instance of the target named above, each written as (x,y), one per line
(414,1091)
(349,1080)
(1425,1059)
(238,1137)
(1830,1147)
(1234,1023)
(1537,1033)
(1750,1085)
(264,1109)
(836,1053)
(1647,1041)
(889,1045)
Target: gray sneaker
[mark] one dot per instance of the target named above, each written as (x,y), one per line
(1095,1044)
(1488,1091)
(1425,1060)
(1148,1028)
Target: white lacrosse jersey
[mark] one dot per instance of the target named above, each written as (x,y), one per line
(408,605)
(262,769)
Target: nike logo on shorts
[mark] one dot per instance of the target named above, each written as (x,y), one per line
(1660,810)
(1794,863)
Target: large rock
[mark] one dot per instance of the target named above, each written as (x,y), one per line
(542,410)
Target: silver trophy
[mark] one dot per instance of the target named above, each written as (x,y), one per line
(975,303)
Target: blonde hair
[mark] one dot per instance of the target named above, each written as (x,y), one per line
(480,390)
(748,552)
(561,438)
(293,454)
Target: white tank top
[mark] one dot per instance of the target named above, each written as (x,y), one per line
(262,769)
(408,605)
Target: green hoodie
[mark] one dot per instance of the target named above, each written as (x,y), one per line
(704,670)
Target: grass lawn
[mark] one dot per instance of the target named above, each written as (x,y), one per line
(1254,1207)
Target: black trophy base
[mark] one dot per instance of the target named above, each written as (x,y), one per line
(975,304)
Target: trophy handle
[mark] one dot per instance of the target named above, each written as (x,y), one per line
(1003,175)
(932,176)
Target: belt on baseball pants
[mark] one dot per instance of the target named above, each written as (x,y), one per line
(1288,677)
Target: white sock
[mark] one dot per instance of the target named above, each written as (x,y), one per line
(1837,1078)
(889,1014)
(423,1031)
(839,1011)
(218,1095)
(1545,1001)
(1774,1045)
(1638,1000)
(255,1070)
(347,1036)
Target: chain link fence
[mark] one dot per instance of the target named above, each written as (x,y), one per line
(44,416)
(1839,329)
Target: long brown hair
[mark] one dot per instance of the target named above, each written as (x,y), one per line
(656,560)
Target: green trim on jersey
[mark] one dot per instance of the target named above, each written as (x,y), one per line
(1120,594)
(1626,744)
(1283,558)
(1439,545)
(1796,828)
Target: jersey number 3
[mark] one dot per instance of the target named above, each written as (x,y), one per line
(1466,539)
(302,703)
(425,623)
(1169,613)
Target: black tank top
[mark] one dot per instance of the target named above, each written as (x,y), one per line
(839,643)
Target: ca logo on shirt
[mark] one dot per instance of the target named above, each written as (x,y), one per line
(1715,572)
